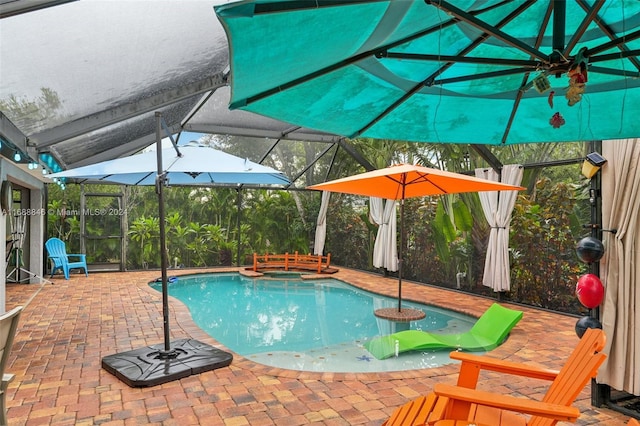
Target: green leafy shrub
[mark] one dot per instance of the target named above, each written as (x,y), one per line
(544,265)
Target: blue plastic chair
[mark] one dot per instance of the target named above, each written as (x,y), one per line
(58,255)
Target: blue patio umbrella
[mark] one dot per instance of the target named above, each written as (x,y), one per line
(458,71)
(185,166)
(189,165)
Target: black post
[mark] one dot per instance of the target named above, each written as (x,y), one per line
(559,24)
(400,253)
(160,182)
(239,204)
(598,392)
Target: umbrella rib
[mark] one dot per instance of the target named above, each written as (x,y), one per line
(611,71)
(424,177)
(489,29)
(299,5)
(529,65)
(430,80)
(382,50)
(341,64)
(475,43)
(525,77)
(145,176)
(616,42)
(399,181)
(516,104)
(591,15)
(625,53)
(462,59)
(389,109)
(619,42)
(481,76)
(378,52)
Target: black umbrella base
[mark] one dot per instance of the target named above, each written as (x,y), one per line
(152,365)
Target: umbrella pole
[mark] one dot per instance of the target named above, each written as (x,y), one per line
(160,182)
(151,366)
(400,255)
(239,205)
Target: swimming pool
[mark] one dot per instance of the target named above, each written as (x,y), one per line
(308,325)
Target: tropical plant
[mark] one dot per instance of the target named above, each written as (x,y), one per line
(275,224)
(197,244)
(145,230)
(544,264)
(451,230)
(57,220)
(177,235)
(445,236)
(216,239)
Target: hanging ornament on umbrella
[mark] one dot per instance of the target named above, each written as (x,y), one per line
(577,78)
(557,120)
(542,85)
(577,83)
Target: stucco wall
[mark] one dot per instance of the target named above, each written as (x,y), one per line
(34,205)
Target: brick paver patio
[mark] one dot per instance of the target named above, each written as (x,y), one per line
(66,329)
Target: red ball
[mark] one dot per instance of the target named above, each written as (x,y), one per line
(590,290)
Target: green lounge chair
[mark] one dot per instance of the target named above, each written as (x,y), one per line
(487,333)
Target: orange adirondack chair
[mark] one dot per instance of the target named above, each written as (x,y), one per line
(463,403)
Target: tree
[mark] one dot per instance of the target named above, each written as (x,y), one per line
(446,235)
(25,112)
(545,268)
(144,230)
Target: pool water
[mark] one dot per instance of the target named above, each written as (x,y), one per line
(309,325)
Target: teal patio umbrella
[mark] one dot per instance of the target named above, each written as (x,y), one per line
(458,71)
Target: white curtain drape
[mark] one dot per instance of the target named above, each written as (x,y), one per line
(385,249)
(321,225)
(497,207)
(620,265)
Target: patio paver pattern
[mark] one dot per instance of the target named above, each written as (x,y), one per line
(66,329)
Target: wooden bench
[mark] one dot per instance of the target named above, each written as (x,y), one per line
(288,262)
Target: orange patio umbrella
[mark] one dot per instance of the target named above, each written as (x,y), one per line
(403,181)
